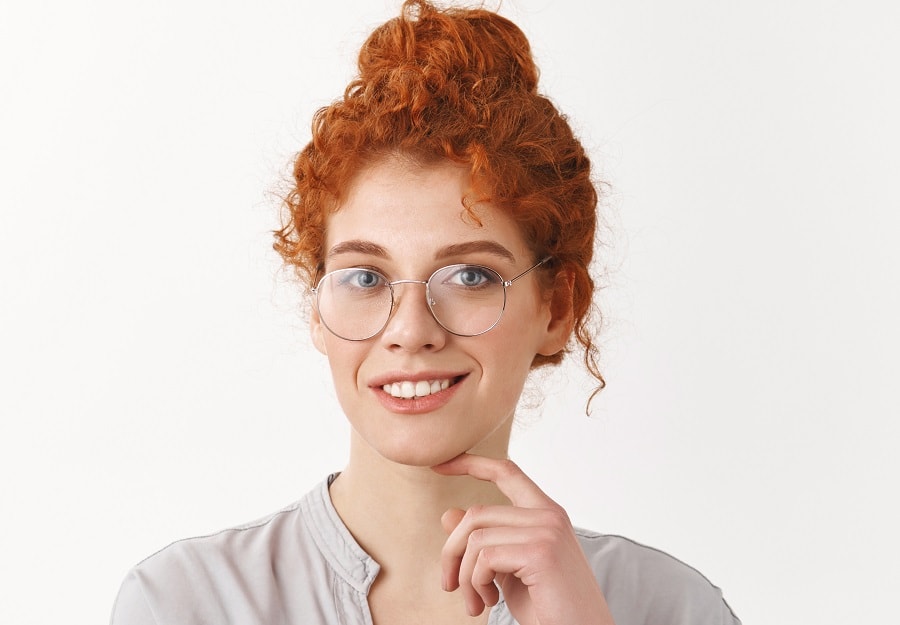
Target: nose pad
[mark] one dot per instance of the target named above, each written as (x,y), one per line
(429,300)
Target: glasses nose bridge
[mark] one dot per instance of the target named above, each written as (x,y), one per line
(427,285)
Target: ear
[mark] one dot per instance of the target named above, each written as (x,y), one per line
(562,318)
(317,331)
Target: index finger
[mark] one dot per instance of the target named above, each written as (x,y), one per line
(506,474)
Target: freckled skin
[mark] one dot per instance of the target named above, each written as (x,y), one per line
(411,212)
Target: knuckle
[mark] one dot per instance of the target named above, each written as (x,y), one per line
(473,514)
(546,535)
(486,556)
(543,551)
(509,468)
(546,543)
(556,528)
(555,516)
(558,517)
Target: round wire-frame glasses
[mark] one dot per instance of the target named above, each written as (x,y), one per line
(360,311)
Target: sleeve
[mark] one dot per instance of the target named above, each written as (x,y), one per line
(131,606)
(728,615)
(646,586)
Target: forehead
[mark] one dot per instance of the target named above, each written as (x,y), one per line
(409,208)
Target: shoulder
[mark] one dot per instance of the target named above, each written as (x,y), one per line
(220,577)
(252,542)
(646,585)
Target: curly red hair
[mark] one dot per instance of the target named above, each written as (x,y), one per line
(456,84)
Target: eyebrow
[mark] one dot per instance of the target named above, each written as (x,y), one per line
(469,247)
(368,248)
(359,247)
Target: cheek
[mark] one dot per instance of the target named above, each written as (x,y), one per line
(344,363)
(345,359)
(506,366)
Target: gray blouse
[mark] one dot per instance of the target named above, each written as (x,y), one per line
(302,566)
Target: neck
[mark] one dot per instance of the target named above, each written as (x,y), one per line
(394,511)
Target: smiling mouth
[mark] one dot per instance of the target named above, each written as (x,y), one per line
(407,389)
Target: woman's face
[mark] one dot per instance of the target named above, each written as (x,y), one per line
(406,221)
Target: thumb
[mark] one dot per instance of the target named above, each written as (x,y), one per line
(451,518)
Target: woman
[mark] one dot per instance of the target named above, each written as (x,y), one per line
(444,217)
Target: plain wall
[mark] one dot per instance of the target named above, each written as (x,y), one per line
(157,380)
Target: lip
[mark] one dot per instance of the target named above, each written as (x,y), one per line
(418,405)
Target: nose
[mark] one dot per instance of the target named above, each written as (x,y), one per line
(412,327)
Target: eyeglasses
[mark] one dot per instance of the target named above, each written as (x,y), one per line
(466,300)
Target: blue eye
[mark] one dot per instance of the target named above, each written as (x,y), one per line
(358,278)
(472,276)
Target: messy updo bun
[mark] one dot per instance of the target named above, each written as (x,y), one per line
(456,84)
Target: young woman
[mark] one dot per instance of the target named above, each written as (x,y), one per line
(443,217)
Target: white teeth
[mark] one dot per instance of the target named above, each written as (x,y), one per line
(408,389)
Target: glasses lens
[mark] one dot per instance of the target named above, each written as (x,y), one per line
(466,299)
(354,303)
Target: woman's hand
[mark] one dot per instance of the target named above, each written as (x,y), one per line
(529,549)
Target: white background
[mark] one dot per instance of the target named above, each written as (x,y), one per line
(157,381)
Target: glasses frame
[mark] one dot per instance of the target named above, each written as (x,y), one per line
(430,302)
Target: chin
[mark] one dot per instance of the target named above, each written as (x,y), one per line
(420,455)
(420,441)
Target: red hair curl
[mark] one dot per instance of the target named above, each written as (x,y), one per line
(456,84)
